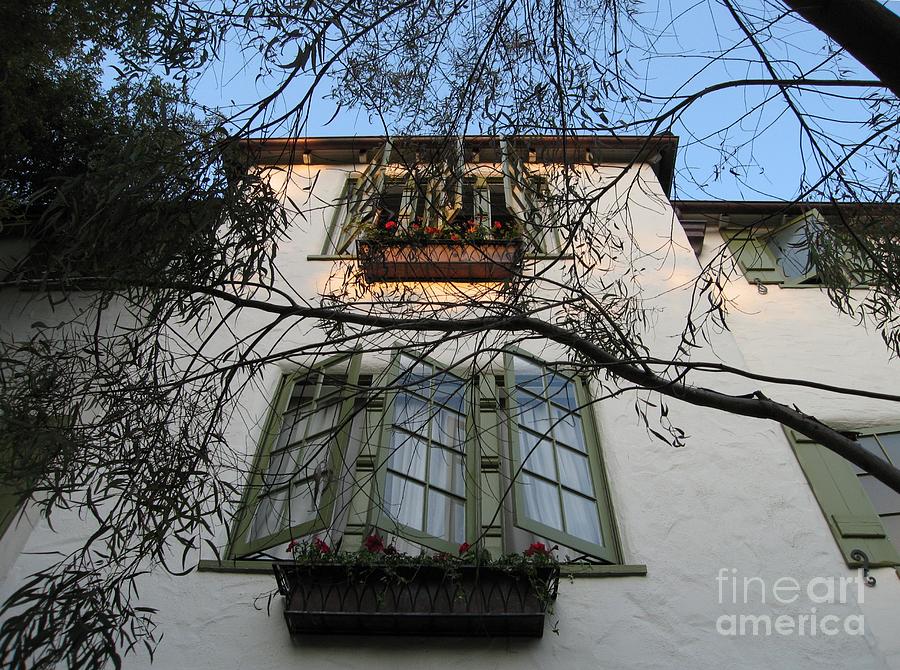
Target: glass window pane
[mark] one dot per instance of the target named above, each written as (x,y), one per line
(413,375)
(891,444)
(582,520)
(407,455)
(412,413)
(267,519)
(541,501)
(529,376)
(561,390)
(446,517)
(291,428)
(792,250)
(404,501)
(312,457)
(871,445)
(281,468)
(884,499)
(575,471)
(568,429)
(446,469)
(533,413)
(303,505)
(537,455)
(448,428)
(321,420)
(450,392)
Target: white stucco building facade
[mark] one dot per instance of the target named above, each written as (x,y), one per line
(722,554)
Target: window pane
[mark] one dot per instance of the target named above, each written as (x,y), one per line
(792,250)
(447,470)
(312,457)
(407,455)
(871,445)
(412,413)
(537,455)
(884,499)
(267,519)
(575,471)
(449,392)
(448,428)
(303,503)
(413,374)
(446,517)
(404,501)
(567,428)
(581,517)
(533,413)
(281,468)
(322,419)
(561,390)
(291,428)
(541,501)
(529,376)
(891,444)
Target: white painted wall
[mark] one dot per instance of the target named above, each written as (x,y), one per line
(734,498)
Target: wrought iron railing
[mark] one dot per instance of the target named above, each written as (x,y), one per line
(416,600)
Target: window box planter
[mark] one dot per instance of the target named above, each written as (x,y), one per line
(439,260)
(461,600)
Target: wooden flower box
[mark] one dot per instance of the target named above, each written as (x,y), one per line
(461,600)
(440,260)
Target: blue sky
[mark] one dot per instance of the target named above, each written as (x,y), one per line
(742,143)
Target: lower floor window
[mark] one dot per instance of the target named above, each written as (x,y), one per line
(431,459)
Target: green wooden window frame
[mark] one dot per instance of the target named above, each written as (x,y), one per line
(559,401)
(754,253)
(844,502)
(523,194)
(477,418)
(420,438)
(315,377)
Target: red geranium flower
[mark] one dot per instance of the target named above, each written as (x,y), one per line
(430,230)
(390,225)
(537,548)
(322,546)
(291,545)
(374,544)
(454,236)
(498,225)
(464,547)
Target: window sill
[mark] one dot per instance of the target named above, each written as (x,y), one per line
(264,567)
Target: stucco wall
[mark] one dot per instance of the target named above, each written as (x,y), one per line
(732,503)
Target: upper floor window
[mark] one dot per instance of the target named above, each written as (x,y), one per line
(431,459)
(780,255)
(423,187)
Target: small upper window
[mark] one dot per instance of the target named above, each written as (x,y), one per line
(780,255)
(442,193)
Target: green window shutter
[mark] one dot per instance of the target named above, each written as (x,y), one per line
(425,474)
(755,258)
(559,483)
(273,482)
(847,509)
(523,200)
(360,196)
